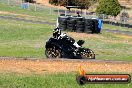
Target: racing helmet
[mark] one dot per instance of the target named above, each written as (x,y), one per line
(56,32)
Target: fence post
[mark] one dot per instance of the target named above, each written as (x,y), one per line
(85,13)
(28,5)
(35,9)
(50,10)
(103,17)
(8,2)
(58,11)
(65,12)
(124,21)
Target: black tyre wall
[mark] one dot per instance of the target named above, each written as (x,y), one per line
(62,22)
(95,21)
(80,26)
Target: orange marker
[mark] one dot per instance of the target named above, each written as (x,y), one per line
(81,71)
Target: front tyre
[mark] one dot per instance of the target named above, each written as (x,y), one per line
(87,54)
(52,52)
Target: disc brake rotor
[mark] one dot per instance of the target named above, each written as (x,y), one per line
(53,53)
(88,54)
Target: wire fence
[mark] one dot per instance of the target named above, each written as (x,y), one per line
(107,19)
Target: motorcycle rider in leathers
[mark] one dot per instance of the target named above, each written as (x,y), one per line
(59,35)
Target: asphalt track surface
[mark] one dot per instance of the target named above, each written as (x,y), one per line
(119,32)
(66,59)
(25,20)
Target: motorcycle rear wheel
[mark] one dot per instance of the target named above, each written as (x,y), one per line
(87,54)
(51,52)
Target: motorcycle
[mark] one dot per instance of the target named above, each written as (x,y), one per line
(63,46)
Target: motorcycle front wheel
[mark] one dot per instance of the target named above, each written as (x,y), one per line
(87,54)
(52,52)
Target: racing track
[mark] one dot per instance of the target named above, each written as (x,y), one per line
(40,66)
(33,65)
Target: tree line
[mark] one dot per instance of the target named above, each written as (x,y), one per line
(108,7)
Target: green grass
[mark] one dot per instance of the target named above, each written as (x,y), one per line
(61,80)
(42,13)
(112,27)
(21,39)
(110,47)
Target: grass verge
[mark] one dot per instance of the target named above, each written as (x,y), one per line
(43,14)
(112,27)
(21,39)
(61,80)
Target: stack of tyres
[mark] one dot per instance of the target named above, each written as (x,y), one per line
(71,24)
(95,26)
(63,22)
(80,24)
(79,18)
(89,26)
(129,26)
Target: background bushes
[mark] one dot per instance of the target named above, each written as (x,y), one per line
(109,7)
(83,3)
(30,1)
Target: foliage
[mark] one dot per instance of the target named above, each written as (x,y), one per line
(109,7)
(82,3)
(55,2)
(30,1)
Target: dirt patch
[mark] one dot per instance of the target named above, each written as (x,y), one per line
(53,66)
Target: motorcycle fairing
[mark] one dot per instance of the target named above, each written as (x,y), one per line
(63,45)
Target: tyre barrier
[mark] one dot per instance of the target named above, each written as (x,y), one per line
(95,25)
(62,20)
(71,24)
(80,24)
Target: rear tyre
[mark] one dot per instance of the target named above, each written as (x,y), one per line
(52,52)
(87,54)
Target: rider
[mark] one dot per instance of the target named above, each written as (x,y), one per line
(78,14)
(59,35)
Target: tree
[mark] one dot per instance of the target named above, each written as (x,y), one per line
(30,1)
(82,3)
(108,7)
(55,2)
